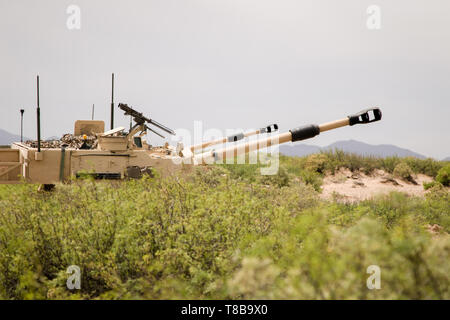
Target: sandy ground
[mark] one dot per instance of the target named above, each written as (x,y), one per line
(350,187)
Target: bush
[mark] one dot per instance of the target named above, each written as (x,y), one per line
(332,160)
(281,179)
(443,175)
(389,163)
(311,258)
(312,178)
(316,163)
(428,166)
(403,171)
(429,185)
(222,232)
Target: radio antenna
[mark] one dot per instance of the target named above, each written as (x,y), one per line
(112,103)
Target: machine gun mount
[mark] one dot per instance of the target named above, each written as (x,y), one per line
(141,121)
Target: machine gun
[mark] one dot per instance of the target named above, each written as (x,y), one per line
(141,121)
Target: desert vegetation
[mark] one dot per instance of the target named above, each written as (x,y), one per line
(227,232)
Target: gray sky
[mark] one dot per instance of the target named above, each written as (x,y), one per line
(233,64)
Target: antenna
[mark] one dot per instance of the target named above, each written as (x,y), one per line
(112,103)
(38,112)
(21,124)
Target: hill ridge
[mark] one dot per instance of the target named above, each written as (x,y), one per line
(351,146)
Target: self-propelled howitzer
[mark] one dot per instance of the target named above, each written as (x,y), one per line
(117,155)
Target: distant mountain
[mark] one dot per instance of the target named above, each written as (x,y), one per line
(351,146)
(299,150)
(446,159)
(8,138)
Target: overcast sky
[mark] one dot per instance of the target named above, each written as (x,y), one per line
(233,64)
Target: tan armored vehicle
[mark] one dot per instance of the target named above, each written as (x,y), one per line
(116,154)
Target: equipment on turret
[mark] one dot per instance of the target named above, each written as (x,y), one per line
(140,121)
(21,124)
(85,146)
(112,101)
(38,117)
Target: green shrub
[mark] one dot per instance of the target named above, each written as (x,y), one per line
(316,163)
(428,185)
(443,175)
(389,163)
(403,171)
(332,160)
(280,179)
(428,166)
(309,258)
(222,232)
(312,178)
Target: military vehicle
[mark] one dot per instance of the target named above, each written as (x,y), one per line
(116,154)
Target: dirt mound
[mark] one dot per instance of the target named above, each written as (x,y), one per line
(356,186)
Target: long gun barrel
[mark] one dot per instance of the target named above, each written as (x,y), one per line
(293,135)
(234,137)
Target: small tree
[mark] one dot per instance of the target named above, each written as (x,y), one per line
(404,172)
(443,175)
(316,162)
